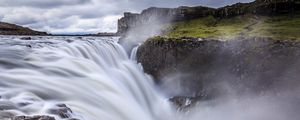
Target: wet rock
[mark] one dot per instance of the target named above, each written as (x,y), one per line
(69,41)
(182,102)
(210,67)
(29,46)
(73,119)
(26,38)
(61,110)
(38,117)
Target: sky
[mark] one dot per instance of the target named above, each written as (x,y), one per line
(84,16)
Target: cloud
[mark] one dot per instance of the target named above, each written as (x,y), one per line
(83,16)
(40,3)
(85,26)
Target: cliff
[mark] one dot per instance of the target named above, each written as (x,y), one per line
(258,7)
(11,29)
(132,20)
(246,48)
(210,68)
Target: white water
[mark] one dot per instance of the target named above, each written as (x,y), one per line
(99,81)
(93,76)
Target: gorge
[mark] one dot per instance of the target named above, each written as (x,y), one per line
(243,49)
(238,62)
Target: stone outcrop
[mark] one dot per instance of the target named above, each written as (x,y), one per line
(260,7)
(132,20)
(203,66)
(61,111)
(11,29)
(38,117)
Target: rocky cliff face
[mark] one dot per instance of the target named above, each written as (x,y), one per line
(260,7)
(132,20)
(210,68)
(11,29)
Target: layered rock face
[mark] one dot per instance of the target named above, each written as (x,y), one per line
(11,29)
(132,20)
(209,68)
(259,7)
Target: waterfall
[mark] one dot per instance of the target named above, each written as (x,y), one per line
(94,77)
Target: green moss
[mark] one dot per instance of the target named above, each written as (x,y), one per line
(157,38)
(208,27)
(278,27)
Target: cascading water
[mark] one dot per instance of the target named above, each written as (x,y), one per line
(94,79)
(93,76)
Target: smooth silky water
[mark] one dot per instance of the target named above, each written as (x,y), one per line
(93,76)
(97,80)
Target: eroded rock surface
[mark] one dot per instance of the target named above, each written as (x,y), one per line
(212,68)
(38,117)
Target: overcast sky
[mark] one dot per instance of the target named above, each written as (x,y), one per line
(84,16)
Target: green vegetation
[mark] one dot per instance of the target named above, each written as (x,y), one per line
(277,27)
(165,38)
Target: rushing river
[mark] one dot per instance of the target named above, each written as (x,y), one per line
(93,76)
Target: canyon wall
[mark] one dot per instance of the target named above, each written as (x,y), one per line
(259,7)
(209,68)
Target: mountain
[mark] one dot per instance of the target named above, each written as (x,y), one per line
(12,29)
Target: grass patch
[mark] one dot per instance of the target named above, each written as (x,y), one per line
(208,27)
(278,27)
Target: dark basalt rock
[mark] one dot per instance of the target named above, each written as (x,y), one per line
(61,110)
(249,65)
(183,102)
(38,117)
(25,38)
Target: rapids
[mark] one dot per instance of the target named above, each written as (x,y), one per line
(94,77)
(97,80)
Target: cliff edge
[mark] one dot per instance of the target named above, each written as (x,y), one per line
(184,13)
(248,48)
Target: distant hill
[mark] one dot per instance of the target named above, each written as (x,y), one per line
(12,29)
(106,34)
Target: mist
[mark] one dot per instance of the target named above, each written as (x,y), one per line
(261,107)
(149,23)
(241,79)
